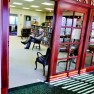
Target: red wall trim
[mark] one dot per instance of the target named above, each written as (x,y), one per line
(4,55)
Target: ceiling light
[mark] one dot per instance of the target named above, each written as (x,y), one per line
(38,10)
(34,6)
(45,3)
(29,0)
(49,9)
(25,8)
(17,3)
(12,6)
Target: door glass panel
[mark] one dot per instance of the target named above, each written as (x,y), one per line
(67,18)
(93,23)
(65,34)
(78,19)
(63,51)
(88,61)
(70,36)
(66,65)
(76,34)
(90,48)
(74,50)
(72,63)
(61,65)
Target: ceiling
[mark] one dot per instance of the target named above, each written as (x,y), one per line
(35,2)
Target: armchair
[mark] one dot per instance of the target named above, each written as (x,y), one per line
(43,59)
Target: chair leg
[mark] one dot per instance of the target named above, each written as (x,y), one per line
(43,69)
(36,64)
(33,46)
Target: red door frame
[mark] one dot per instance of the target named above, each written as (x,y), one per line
(61,5)
(89,26)
(4,54)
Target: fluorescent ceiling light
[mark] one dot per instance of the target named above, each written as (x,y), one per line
(25,8)
(49,9)
(34,6)
(38,10)
(12,6)
(17,3)
(29,0)
(46,3)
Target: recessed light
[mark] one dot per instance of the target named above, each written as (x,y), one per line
(46,3)
(34,6)
(17,3)
(29,0)
(12,6)
(38,10)
(25,8)
(49,9)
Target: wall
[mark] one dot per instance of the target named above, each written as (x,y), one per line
(21,13)
(49,14)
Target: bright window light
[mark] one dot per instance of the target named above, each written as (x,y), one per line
(17,3)
(38,10)
(12,6)
(25,8)
(46,3)
(49,9)
(34,6)
(29,0)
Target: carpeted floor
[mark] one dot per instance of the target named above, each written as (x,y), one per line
(22,63)
(36,88)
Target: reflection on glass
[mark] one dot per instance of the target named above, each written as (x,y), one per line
(93,61)
(71,63)
(67,18)
(78,19)
(68,31)
(65,34)
(62,33)
(88,61)
(93,22)
(90,48)
(61,66)
(92,33)
(76,34)
(69,22)
(64,21)
(74,50)
(63,51)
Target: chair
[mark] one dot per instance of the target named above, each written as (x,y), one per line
(36,42)
(43,59)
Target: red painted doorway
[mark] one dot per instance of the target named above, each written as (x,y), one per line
(68,39)
(88,53)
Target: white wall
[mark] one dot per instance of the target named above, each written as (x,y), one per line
(21,13)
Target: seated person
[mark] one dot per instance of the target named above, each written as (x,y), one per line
(33,38)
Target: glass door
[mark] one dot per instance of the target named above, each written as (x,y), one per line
(70,41)
(88,58)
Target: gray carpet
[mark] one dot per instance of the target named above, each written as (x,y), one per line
(22,64)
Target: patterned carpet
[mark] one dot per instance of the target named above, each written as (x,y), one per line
(36,88)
